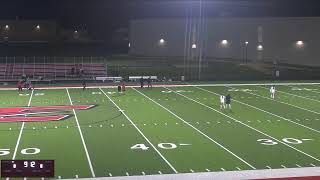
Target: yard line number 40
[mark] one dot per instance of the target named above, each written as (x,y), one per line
(160,145)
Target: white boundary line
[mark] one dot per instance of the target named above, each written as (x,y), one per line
(244,124)
(283,102)
(248,164)
(262,110)
(82,139)
(168,85)
(229,175)
(169,164)
(21,130)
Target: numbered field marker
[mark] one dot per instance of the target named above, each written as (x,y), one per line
(140,146)
(94,93)
(111,93)
(166,146)
(177,91)
(39,94)
(270,142)
(242,90)
(26,151)
(24,94)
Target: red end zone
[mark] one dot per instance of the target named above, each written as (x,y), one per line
(23,114)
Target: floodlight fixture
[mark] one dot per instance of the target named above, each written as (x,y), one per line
(260,47)
(299,43)
(224,42)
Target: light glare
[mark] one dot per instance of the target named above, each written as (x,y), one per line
(224,42)
(300,43)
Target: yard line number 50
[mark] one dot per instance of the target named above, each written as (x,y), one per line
(26,151)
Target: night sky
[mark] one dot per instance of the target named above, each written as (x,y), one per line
(106,16)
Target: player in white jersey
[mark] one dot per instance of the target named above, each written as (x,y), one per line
(222,102)
(272,92)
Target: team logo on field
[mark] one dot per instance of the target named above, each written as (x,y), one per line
(40,114)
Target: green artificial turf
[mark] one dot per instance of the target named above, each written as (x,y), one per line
(169,130)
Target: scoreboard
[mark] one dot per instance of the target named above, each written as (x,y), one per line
(27,168)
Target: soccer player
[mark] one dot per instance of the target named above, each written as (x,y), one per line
(20,84)
(141,82)
(123,87)
(222,102)
(228,101)
(149,82)
(272,92)
(84,85)
(119,89)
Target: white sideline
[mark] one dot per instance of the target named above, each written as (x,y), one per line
(226,175)
(82,139)
(168,85)
(307,127)
(233,154)
(244,124)
(21,130)
(169,164)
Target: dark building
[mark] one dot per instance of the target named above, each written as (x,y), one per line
(293,40)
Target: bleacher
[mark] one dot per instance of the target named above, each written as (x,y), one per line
(14,71)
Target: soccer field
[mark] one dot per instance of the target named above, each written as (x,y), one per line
(163,130)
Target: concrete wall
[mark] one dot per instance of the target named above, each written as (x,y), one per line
(278,36)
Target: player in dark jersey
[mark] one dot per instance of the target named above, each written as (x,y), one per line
(119,89)
(20,85)
(149,82)
(84,85)
(141,82)
(228,101)
(123,88)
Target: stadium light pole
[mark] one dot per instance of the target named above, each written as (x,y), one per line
(162,44)
(246,53)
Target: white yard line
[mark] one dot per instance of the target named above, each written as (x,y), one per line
(263,111)
(168,163)
(244,124)
(82,139)
(175,115)
(21,130)
(284,103)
